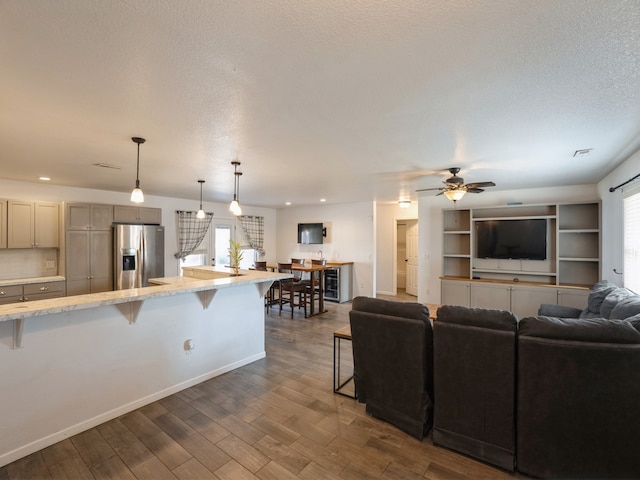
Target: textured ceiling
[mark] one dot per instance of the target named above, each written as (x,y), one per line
(345,100)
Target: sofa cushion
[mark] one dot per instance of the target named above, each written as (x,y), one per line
(612,299)
(634,321)
(596,330)
(391,308)
(478,317)
(597,295)
(627,307)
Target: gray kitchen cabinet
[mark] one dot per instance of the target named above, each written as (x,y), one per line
(33,224)
(89,248)
(10,294)
(89,261)
(89,216)
(145,215)
(3,224)
(31,291)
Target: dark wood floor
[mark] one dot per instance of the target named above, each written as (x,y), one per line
(276,418)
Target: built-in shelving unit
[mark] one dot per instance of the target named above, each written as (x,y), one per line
(573,245)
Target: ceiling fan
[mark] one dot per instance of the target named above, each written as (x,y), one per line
(455,188)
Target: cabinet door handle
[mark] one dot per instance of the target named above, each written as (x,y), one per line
(24,299)
(2,292)
(44,289)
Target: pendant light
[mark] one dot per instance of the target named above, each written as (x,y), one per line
(200,215)
(234,207)
(136,195)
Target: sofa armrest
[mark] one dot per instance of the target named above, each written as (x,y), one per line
(561,311)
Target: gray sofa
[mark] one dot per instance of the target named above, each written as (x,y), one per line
(475,383)
(393,362)
(578,392)
(606,300)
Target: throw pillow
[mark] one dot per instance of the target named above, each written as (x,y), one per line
(611,300)
(598,293)
(627,307)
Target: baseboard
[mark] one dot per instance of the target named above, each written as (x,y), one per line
(89,423)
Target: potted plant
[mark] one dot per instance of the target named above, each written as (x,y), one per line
(235,256)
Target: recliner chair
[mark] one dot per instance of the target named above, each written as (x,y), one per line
(475,383)
(393,362)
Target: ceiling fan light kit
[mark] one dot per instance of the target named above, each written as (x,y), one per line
(455,188)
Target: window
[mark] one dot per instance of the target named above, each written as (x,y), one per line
(631,266)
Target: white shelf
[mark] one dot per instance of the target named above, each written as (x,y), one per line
(456,255)
(514,272)
(524,217)
(578,259)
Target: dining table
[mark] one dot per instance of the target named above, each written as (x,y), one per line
(311,269)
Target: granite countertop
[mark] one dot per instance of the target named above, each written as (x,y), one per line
(30,280)
(163,287)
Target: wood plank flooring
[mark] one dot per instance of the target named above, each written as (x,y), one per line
(275,419)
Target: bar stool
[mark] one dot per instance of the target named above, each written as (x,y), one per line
(288,289)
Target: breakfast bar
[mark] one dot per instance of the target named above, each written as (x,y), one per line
(68,364)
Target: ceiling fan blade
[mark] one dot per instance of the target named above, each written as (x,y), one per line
(427,189)
(480,184)
(475,190)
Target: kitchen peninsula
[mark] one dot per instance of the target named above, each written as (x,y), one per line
(68,364)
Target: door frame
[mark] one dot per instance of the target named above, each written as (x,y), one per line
(394,284)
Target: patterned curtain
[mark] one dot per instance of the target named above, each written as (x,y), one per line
(191,231)
(253,228)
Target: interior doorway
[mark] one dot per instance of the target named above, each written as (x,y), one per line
(406,258)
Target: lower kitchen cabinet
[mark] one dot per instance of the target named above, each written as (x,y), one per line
(522,300)
(89,261)
(31,291)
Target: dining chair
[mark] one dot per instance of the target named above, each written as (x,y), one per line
(289,287)
(298,275)
(313,284)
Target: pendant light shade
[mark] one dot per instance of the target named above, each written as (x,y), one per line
(234,207)
(136,195)
(200,215)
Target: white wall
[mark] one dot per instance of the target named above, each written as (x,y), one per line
(430,227)
(53,193)
(612,217)
(78,369)
(350,238)
(387,216)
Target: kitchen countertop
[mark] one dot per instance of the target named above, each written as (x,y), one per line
(30,280)
(163,287)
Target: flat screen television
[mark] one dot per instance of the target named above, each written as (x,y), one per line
(516,239)
(310,233)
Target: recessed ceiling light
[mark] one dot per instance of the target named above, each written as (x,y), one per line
(287,203)
(323,199)
(44,179)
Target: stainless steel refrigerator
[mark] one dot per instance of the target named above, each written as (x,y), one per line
(138,255)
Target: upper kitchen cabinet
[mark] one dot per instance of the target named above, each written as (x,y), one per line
(3,224)
(87,216)
(33,224)
(145,215)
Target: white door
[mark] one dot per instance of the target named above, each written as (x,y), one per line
(222,233)
(412,259)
